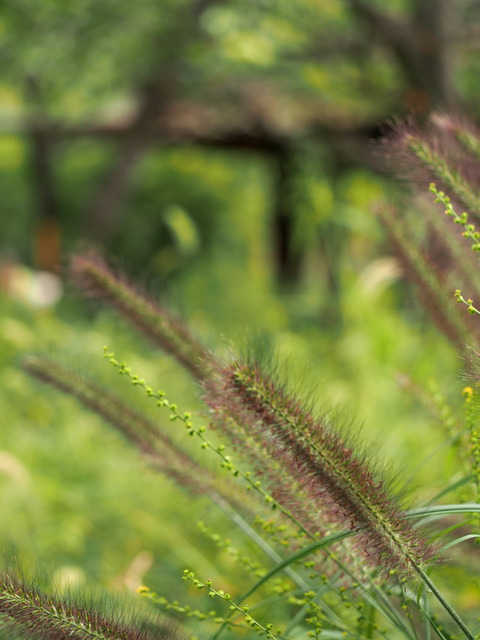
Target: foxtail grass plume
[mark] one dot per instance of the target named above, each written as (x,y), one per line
(435,249)
(347,490)
(95,278)
(442,152)
(421,268)
(26,612)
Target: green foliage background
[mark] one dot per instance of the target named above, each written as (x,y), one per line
(197,230)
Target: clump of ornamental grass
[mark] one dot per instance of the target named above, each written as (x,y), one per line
(339,553)
(324,496)
(98,280)
(279,438)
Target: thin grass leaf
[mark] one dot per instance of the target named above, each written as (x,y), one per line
(470,536)
(285,564)
(453,487)
(448,530)
(445,445)
(298,555)
(443,510)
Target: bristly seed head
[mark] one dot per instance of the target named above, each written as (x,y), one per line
(95,278)
(26,612)
(347,489)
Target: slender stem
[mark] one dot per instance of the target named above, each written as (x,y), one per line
(428,622)
(370,621)
(446,605)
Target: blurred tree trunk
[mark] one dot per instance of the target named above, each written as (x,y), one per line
(288,257)
(421,49)
(46,237)
(430,35)
(156,93)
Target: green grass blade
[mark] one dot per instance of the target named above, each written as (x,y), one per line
(456,485)
(298,555)
(469,536)
(284,564)
(440,511)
